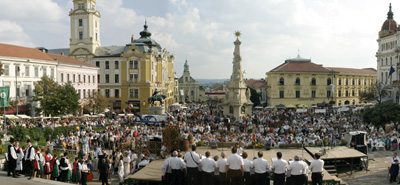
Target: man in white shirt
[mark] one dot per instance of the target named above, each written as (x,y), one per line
(177,166)
(192,160)
(279,168)
(261,169)
(208,167)
(235,168)
(297,171)
(247,167)
(316,167)
(221,166)
(166,169)
(29,158)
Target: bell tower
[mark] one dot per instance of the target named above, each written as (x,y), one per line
(85,29)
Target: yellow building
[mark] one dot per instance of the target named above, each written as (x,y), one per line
(349,83)
(128,75)
(300,83)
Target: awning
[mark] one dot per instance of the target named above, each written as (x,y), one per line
(10,116)
(23,116)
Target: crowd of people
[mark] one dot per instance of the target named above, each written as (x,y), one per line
(237,169)
(116,150)
(124,141)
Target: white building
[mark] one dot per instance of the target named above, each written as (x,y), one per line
(33,64)
(388,57)
(189,88)
(81,75)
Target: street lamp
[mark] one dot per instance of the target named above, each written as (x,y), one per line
(16,86)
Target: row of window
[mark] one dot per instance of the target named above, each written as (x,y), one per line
(298,94)
(297,81)
(387,62)
(132,64)
(314,94)
(26,71)
(133,93)
(328,81)
(88,78)
(388,45)
(85,93)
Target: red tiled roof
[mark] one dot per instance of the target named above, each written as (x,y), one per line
(68,60)
(342,70)
(9,50)
(300,66)
(256,84)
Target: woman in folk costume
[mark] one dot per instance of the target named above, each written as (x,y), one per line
(20,156)
(47,166)
(127,161)
(38,163)
(69,175)
(76,173)
(54,163)
(120,169)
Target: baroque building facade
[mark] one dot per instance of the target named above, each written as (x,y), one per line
(189,88)
(388,57)
(298,82)
(128,74)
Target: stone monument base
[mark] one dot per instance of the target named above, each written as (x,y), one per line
(156,110)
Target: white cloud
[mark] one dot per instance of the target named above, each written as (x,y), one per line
(332,33)
(35,10)
(12,33)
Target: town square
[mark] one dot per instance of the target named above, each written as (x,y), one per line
(185,92)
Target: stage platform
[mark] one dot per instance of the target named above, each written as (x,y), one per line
(339,152)
(152,172)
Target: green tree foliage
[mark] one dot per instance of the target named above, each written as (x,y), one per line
(255,97)
(171,137)
(96,104)
(382,114)
(56,99)
(39,134)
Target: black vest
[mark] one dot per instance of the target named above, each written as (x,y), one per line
(10,158)
(29,153)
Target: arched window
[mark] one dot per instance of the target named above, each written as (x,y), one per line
(339,82)
(313,81)
(297,82)
(329,81)
(281,81)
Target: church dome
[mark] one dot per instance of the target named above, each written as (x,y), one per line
(389,27)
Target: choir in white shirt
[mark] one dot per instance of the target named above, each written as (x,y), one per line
(296,170)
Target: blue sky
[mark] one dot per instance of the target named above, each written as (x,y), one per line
(330,32)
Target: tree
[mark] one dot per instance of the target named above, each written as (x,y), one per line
(69,99)
(55,99)
(254,97)
(376,93)
(96,103)
(382,114)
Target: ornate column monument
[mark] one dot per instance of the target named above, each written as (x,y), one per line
(237,96)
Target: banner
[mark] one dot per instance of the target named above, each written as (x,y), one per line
(4,96)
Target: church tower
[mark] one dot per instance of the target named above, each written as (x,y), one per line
(85,29)
(237,96)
